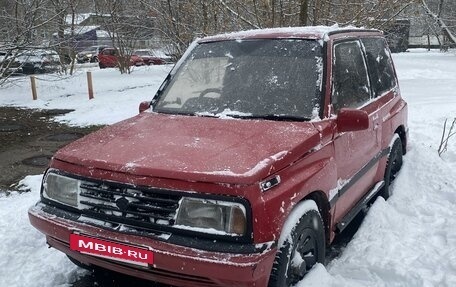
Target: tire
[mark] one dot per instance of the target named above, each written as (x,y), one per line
(393,165)
(101,65)
(307,242)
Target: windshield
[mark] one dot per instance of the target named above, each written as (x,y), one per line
(249,78)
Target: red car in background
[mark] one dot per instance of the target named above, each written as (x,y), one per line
(153,58)
(109,58)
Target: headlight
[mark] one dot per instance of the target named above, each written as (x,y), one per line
(212,216)
(61,188)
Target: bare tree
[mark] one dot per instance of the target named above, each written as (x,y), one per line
(64,12)
(21,21)
(126,24)
(437,16)
(446,135)
(179,22)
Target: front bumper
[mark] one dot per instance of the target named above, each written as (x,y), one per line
(173,264)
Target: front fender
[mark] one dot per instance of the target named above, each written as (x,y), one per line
(317,171)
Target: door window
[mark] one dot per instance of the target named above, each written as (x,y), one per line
(351,88)
(380,65)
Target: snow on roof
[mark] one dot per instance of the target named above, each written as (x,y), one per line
(102,34)
(78,18)
(81,17)
(312,32)
(80,30)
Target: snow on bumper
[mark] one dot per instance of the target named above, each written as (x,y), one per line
(173,264)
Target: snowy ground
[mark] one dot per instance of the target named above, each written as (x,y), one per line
(116,96)
(410,240)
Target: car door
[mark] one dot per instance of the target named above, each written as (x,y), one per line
(109,57)
(357,152)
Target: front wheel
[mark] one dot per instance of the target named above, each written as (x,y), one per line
(393,166)
(303,248)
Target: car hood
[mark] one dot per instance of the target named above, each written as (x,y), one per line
(194,148)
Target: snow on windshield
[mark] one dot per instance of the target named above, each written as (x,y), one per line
(257,77)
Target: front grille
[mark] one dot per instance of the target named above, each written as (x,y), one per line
(144,210)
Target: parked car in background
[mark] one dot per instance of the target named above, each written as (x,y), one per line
(49,57)
(4,63)
(168,58)
(31,62)
(151,57)
(258,148)
(109,58)
(3,55)
(89,55)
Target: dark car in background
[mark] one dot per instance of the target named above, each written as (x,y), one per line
(109,58)
(89,55)
(30,62)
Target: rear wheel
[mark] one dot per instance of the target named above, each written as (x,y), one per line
(393,166)
(303,248)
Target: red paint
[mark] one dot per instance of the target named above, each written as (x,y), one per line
(231,157)
(109,58)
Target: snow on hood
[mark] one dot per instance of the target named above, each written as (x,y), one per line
(194,148)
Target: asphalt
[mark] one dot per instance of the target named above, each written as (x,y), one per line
(28,139)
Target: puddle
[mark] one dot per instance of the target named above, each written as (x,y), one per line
(39,160)
(7,128)
(63,137)
(56,112)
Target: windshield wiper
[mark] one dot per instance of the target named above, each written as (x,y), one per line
(273,117)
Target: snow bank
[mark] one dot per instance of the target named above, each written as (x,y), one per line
(410,240)
(25,259)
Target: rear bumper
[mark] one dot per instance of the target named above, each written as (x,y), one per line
(173,264)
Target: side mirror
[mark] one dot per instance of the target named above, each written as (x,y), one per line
(349,120)
(144,106)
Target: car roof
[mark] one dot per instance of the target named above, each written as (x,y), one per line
(309,32)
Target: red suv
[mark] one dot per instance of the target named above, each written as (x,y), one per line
(258,148)
(109,58)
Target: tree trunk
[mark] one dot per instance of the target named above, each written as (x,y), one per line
(303,12)
(440,21)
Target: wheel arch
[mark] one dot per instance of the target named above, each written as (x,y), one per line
(403,135)
(322,204)
(319,197)
(308,206)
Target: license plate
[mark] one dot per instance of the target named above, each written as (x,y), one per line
(111,250)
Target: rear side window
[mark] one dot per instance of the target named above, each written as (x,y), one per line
(351,87)
(380,65)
